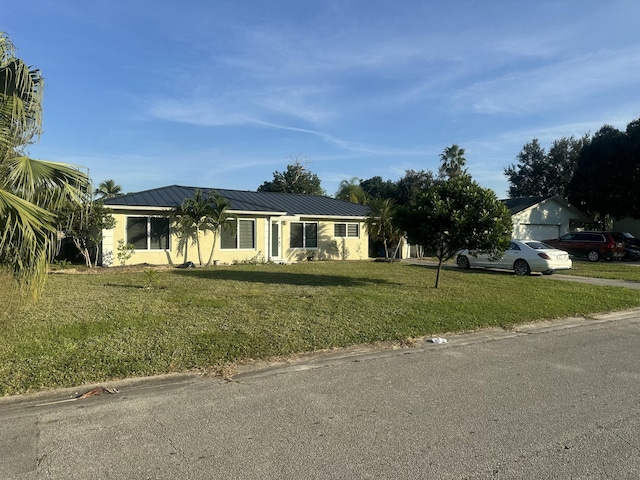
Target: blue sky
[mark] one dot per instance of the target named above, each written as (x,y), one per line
(223,93)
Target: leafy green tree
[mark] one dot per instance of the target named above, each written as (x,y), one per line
(561,164)
(381,226)
(30,190)
(404,191)
(83,223)
(201,213)
(412,185)
(453,162)
(525,178)
(351,191)
(108,189)
(375,188)
(633,151)
(456,214)
(296,179)
(607,175)
(541,173)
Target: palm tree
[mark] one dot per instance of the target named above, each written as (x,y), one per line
(190,217)
(380,225)
(108,189)
(351,191)
(219,218)
(30,190)
(453,162)
(202,213)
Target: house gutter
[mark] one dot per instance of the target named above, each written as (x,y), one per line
(330,217)
(167,209)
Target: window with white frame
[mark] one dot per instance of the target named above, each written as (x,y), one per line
(148,233)
(241,237)
(303,235)
(346,230)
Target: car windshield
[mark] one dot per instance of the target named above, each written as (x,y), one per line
(538,245)
(627,235)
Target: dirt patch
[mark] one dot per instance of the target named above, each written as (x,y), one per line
(99,270)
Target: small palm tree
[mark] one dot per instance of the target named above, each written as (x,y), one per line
(30,190)
(218,219)
(351,191)
(108,189)
(202,213)
(380,225)
(191,216)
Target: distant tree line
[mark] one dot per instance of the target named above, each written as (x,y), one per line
(600,175)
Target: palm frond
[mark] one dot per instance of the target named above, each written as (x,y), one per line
(47,183)
(30,190)
(26,238)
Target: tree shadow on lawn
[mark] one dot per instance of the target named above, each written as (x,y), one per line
(275,278)
(474,270)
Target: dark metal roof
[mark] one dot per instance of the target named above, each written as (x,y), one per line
(243,200)
(516,205)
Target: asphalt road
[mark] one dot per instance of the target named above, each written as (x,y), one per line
(555,400)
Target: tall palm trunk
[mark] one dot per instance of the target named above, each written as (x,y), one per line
(198,245)
(213,246)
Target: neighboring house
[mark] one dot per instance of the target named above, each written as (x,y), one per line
(269,226)
(539,218)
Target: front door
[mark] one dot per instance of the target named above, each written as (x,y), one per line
(275,247)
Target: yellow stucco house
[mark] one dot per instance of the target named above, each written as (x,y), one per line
(269,226)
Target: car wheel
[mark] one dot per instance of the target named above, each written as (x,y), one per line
(521,267)
(462,261)
(593,256)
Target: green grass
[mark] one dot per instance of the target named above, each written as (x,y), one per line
(119,323)
(612,270)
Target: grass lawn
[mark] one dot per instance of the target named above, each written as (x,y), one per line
(614,270)
(114,323)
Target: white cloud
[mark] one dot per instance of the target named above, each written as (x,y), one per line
(554,86)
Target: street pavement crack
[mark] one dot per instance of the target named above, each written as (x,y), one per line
(612,432)
(165,435)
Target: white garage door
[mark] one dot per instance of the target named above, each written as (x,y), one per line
(536,231)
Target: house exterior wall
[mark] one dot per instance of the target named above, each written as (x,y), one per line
(329,247)
(548,219)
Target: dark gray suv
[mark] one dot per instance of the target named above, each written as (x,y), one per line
(592,245)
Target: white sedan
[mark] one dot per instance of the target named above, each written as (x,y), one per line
(523,257)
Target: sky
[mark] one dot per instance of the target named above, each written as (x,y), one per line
(221,94)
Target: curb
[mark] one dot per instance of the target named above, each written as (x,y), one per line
(317,360)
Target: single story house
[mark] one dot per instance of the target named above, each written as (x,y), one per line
(540,218)
(269,226)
